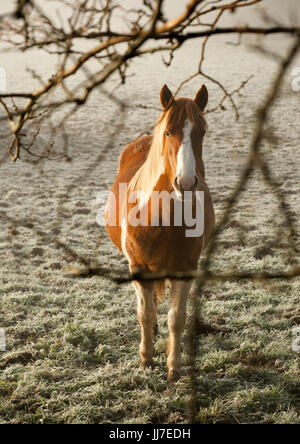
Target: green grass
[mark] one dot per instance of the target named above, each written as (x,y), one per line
(72,356)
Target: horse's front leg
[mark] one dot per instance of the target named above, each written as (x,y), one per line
(176,322)
(147,313)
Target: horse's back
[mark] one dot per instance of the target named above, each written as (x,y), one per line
(135,153)
(131,159)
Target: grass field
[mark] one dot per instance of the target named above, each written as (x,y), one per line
(72,345)
(73,357)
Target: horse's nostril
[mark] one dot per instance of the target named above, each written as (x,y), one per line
(196,182)
(185,185)
(178,186)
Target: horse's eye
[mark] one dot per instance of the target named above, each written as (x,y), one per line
(167,134)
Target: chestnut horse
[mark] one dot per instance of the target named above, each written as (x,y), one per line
(169,161)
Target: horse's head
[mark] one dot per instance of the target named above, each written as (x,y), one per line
(184,127)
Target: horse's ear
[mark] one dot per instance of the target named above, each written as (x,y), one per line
(201,98)
(166,98)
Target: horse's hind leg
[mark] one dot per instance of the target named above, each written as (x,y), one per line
(176,323)
(158,297)
(147,312)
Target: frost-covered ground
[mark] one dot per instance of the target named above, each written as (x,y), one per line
(72,345)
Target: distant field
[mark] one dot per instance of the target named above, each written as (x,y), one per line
(72,345)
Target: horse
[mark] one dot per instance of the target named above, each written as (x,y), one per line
(170,161)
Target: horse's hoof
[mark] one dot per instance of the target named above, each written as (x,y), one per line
(147,364)
(173,377)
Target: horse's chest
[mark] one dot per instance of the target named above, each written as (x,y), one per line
(160,248)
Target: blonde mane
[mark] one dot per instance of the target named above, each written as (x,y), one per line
(145,179)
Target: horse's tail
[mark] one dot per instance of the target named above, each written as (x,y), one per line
(160,287)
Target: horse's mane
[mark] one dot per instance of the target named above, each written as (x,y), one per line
(147,176)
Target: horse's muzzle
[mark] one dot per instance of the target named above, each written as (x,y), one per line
(182,189)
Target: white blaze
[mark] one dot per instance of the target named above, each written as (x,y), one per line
(186,164)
